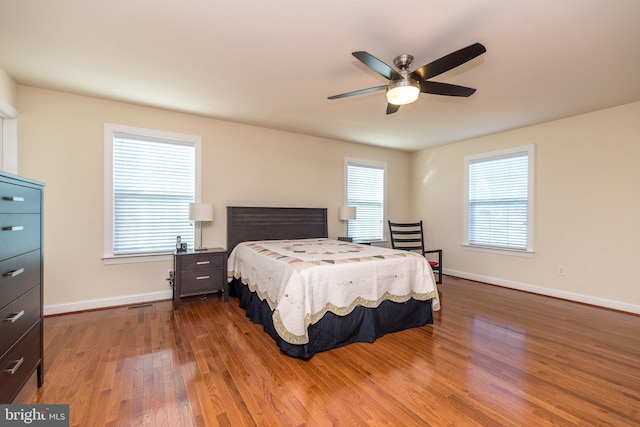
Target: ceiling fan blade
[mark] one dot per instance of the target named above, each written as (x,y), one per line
(447,89)
(376,65)
(448,62)
(392,108)
(358,92)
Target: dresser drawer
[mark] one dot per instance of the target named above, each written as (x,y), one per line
(19,199)
(16,367)
(18,234)
(195,282)
(18,275)
(17,317)
(202,261)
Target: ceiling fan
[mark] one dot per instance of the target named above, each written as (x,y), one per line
(405,86)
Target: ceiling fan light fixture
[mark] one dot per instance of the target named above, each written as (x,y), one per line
(402,92)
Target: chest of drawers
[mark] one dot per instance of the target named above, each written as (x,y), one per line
(21,350)
(200,272)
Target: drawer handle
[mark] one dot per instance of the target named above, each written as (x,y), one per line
(16,365)
(13,198)
(14,273)
(203,262)
(202,277)
(13,228)
(14,317)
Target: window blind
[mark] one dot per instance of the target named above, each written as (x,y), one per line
(498,201)
(365,191)
(153,184)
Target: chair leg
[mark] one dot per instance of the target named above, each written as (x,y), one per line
(439,264)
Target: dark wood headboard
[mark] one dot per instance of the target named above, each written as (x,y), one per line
(274,223)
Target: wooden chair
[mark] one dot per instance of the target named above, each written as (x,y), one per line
(410,237)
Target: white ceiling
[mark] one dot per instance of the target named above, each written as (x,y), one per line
(273,63)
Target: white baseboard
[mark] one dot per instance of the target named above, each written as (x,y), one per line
(164,295)
(586,299)
(107,302)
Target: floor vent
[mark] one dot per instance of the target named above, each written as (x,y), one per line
(133,307)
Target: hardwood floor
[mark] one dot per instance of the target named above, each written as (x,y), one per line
(494,357)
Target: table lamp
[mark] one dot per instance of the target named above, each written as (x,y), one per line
(200,212)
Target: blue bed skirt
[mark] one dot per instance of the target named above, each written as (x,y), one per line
(332,331)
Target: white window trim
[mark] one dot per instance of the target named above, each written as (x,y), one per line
(109,131)
(370,163)
(9,145)
(9,139)
(529,148)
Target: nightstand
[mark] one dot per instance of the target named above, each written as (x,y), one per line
(199,273)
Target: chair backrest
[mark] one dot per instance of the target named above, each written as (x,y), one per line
(407,236)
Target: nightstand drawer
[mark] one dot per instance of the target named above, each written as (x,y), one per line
(18,275)
(18,317)
(202,261)
(201,281)
(16,367)
(200,272)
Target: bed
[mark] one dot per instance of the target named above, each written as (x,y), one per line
(311,293)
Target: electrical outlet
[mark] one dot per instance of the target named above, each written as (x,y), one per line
(170,277)
(562,270)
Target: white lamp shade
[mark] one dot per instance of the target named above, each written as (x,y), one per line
(347,212)
(200,212)
(403,94)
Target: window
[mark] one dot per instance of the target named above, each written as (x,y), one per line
(150,179)
(366,191)
(499,200)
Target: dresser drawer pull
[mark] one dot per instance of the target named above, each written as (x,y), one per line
(13,228)
(203,277)
(14,273)
(203,262)
(14,317)
(16,365)
(13,198)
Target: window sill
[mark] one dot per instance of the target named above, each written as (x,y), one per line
(135,259)
(510,252)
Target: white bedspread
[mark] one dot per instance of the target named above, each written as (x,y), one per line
(303,279)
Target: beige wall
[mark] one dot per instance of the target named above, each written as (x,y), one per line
(587,208)
(586,196)
(62,145)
